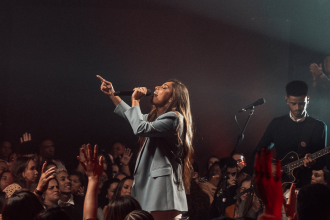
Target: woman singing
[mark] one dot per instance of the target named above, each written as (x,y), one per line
(163,168)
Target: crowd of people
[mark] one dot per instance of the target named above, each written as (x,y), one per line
(164,182)
(40,187)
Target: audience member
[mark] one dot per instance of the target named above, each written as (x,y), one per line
(124,187)
(118,149)
(6,178)
(25,172)
(139,215)
(209,163)
(321,176)
(12,157)
(198,203)
(52,194)
(120,207)
(5,150)
(313,202)
(73,204)
(226,190)
(22,205)
(107,168)
(120,175)
(195,173)
(51,164)
(248,204)
(240,159)
(53,213)
(103,178)
(106,193)
(115,169)
(3,165)
(78,183)
(47,153)
(213,176)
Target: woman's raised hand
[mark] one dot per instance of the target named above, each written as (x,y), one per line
(46,175)
(93,167)
(106,86)
(126,157)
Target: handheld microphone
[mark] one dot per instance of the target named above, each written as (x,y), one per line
(129,93)
(256,103)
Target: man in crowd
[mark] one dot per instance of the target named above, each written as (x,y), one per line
(5,150)
(72,204)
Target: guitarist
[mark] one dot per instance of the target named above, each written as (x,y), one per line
(297,132)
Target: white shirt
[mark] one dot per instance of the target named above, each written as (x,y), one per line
(299,119)
(66,204)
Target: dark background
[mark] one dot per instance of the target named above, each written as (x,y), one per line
(228,54)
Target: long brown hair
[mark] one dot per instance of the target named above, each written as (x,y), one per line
(180,104)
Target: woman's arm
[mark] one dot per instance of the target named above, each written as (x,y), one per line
(94,169)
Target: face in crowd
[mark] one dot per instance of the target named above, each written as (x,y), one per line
(47,149)
(240,159)
(5,149)
(211,161)
(231,174)
(118,149)
(31,174)
(6,180)
(245,185)
(318,177)
(111,190)
(52,194)
(127,187)
(64,182)
(76,186)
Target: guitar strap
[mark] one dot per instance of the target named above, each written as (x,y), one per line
(306,135)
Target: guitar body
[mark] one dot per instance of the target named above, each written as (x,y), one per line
(289,176)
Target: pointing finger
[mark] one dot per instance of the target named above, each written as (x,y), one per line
(100,78)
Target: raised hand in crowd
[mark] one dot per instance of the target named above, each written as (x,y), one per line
(269,187)
(93,169)
(290,205)
(45,177)
(26,137)
(80,168)
(316,70)
(125,159)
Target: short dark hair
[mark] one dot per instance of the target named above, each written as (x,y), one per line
(80,175)
(53,213)
(139,215)
(120,207)
(26,202)
(296,88)
(28,147)
(313,202)
(231,163)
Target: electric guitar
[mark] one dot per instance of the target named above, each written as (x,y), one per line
(293,162)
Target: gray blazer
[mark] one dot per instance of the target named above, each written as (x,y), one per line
(158,184)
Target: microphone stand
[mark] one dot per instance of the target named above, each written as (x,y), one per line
(224,176)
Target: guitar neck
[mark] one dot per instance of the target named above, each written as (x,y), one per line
(313,156)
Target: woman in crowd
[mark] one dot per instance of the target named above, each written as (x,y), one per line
(6,178)
(78,183)
(209,163)
(124,187)
(120,175)
(105,196)
(25,173)
(52,194)
(120,207)
(139,215)
(162,172)
(22,205)
(248,204)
